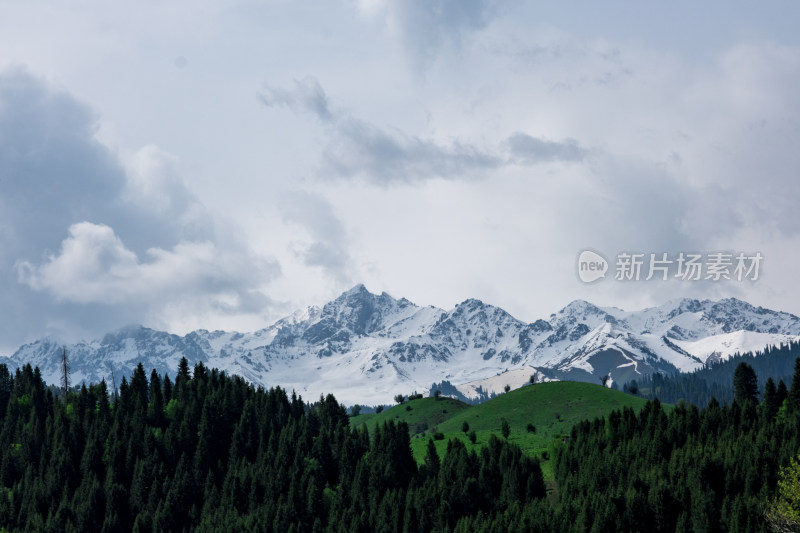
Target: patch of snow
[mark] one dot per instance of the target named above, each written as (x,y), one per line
(722,347)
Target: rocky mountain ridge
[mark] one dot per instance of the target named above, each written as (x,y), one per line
(365,347)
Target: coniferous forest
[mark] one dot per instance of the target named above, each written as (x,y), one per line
(209,452)
(714,380)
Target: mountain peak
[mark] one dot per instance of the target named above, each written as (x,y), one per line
(359,288)
(684,305)
(735,302)
(357,297)
(131,331)
(471,303)
(356,311)
(581,307)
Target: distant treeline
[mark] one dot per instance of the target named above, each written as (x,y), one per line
(210,452)
(715,379)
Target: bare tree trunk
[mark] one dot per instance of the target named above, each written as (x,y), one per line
(114,384)
(64,374)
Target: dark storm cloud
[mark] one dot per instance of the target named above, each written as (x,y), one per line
(53,173)
(49,165)
(87,243)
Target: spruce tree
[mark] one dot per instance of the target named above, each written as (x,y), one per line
(745,384)
(782,394)
(770,404)
(794,390)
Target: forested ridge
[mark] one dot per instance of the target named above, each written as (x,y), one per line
(211,452)
(714,379)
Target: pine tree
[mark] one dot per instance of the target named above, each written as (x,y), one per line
(770,404)
(430,468)
(139,390)
(745,384)
(794,390)
(6,387)
(782,394)
(155,410)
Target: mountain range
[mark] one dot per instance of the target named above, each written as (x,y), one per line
(365,348)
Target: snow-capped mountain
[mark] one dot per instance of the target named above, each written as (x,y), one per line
(365,348)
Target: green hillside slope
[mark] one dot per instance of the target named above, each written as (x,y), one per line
(421,415)
(551,408)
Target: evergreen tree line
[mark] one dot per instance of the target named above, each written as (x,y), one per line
(210,452)
(714,380)
(676,469)
(713,469)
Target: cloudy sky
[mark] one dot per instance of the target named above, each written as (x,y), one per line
(212,164)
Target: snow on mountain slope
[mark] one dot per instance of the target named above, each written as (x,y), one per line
(494,385)
(721,347)
(366,348)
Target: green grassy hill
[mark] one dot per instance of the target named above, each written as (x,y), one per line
(421,415)
(552,408)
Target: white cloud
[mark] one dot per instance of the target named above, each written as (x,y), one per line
(93,266)
(154,182)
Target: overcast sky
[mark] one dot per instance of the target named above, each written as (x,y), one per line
(218,165)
